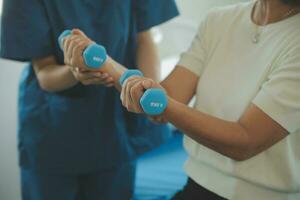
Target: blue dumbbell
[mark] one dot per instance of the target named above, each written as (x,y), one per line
(94,55)
(153,101)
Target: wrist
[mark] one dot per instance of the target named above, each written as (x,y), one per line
(170,107)
(73,72)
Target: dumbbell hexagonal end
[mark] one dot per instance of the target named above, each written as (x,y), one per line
(154,101)
(94,56)
(129,73)
(62,36)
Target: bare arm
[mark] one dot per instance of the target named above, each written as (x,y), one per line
(75,44)
(181,84)
(147,56)
(53,77)
(253,133)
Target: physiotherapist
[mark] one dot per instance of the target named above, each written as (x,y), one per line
(76,142)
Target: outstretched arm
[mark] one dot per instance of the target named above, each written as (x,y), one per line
(74,47)
(83,54)
(253,133)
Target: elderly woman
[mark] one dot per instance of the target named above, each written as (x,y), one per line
(243,134)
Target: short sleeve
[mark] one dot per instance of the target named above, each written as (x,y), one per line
(279,96)
(25,30)
(150,13)
(195,58)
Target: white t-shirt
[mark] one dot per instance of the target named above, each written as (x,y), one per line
(234,72)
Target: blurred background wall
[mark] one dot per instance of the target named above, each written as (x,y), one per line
(173,38)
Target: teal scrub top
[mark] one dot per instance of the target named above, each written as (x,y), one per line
(83,128)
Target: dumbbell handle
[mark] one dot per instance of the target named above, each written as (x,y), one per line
(153,101)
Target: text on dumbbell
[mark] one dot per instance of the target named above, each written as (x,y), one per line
(157,105)
(97,59)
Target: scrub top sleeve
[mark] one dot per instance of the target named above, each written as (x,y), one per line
(25,31)
(279,96)
(150,13)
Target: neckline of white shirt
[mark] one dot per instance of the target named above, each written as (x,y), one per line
(271,25)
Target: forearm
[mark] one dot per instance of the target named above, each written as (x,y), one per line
(227,138)
(147,57)
(53,77)
(115,70)
(56,78)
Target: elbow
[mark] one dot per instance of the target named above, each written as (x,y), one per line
(240,157)
(243,154)
(45,83)
(47,87)
(245,149)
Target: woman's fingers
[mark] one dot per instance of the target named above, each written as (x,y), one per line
(123,92)
(136,92)
(132,92)
(125,96)
(148,83)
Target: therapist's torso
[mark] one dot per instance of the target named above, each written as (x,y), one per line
(84,128)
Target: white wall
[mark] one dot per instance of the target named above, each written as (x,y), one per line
(9,174)
(179,32)
(176,38)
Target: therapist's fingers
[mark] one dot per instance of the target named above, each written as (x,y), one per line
(78,45)
(83,76)
(77,31)
(65,46)
(91,81)
(93,78)
(74,40)
(77,51)
(107,82)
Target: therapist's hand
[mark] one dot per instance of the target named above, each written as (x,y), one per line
(73,47)
(87,77)
(132,91)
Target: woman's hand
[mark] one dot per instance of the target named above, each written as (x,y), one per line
(132,91)
(92,77)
